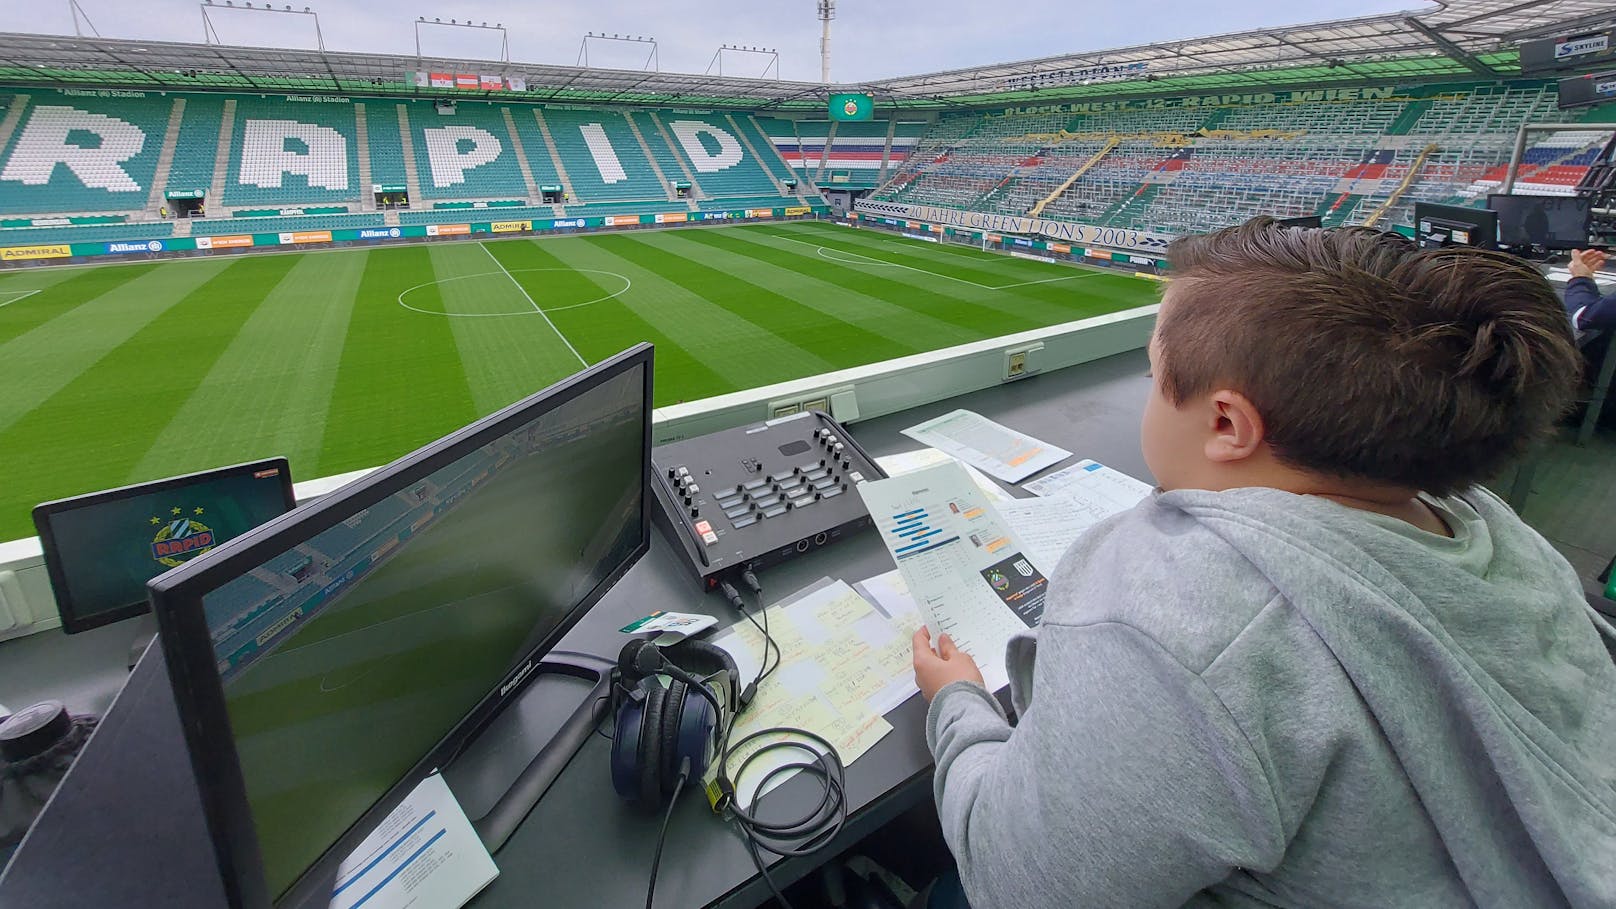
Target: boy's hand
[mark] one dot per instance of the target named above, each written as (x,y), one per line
(1584,262)
(936,669)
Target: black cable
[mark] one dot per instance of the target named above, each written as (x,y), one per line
(795,836)
(757,860)
(798,836)
(769,645)
(662,836)
(765,670)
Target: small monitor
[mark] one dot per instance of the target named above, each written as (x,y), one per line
(102,548)
(1454,225)
(324,664)
(1309,221)
(1552,222)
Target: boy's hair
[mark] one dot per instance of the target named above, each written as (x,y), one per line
(1368,357)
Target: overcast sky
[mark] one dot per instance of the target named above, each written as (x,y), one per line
(870,39)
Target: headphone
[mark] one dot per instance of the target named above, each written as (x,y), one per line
(665,733)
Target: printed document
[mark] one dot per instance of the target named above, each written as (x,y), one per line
(999,450)
(970,574)
(425,855)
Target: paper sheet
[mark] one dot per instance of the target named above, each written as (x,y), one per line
(842,665)
(425,853)
(1094,486)
(1047,527)
(978,441)
(891,597)
(970,574)
(911,461)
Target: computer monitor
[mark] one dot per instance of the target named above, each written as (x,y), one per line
(1552,222)
(325,663)
(1309,221)
(102,548)
(1454,225)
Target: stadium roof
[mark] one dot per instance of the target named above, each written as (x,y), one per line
(1453,39)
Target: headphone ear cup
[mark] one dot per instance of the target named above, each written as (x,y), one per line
(649,755)
(673,710)
(628,734)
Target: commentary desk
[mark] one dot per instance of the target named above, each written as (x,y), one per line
(126,829)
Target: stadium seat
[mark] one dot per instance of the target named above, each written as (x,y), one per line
(74,152)
(712,147)
(97,233)
(197,147)
(205,227)
(602,157)
(290,153)
(386,148)
(465,155)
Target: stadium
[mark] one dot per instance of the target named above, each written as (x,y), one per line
(422,177)
(214,253)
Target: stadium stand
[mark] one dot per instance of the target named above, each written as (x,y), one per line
(602,156)
(854,154)
(292,152)
(736,202)
(716,150)
(767,151)
(601,209)
(905,135)
(386,147)
(203,227)
(295,163)
(197,146)
(76,152)
(1180,170)
(541,164)
(800,143)
(97,233)
(466,154)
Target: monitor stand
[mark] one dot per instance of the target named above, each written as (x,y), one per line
(145,628)
(501,819)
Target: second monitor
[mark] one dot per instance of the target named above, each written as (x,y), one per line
(102,548)
(1551,222)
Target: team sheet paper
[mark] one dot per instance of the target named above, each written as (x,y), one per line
(980,442)
(969,573)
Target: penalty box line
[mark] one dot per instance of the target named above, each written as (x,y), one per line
(23,295)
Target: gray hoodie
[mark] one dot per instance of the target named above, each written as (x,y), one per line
(1253,698)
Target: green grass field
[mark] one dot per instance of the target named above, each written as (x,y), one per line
(345,359)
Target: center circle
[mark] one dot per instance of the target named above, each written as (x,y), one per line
(529,310)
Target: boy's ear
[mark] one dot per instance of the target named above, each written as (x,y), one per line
(1237,428)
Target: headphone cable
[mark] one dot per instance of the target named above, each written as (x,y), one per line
(662,835)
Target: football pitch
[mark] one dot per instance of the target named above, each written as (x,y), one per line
(344,359)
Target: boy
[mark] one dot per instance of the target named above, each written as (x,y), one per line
(1320,666)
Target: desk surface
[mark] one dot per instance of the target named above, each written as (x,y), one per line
(581,846)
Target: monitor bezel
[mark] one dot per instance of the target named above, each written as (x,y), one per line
(73,622)
(198,689)
(1587,217)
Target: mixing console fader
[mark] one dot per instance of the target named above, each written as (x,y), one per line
(753,496)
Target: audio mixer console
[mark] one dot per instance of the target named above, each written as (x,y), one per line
(755,496)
